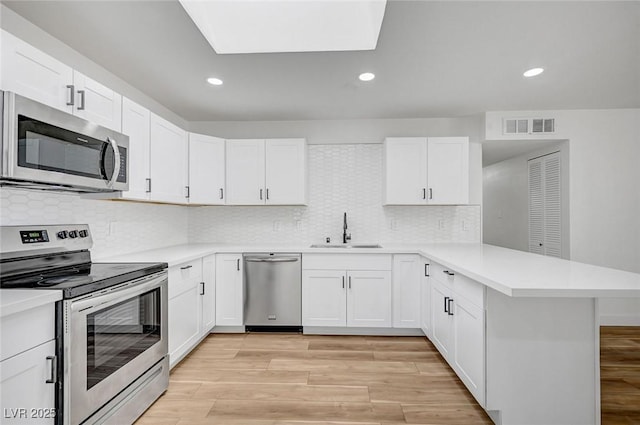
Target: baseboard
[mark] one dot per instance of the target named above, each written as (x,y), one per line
(330,330)
(228,330)
(619,320)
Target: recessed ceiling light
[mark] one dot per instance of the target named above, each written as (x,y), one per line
(367,76)
(214,81)
(533,72)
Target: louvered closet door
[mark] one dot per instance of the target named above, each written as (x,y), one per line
(545,205)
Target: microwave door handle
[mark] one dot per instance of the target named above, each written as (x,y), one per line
(116,162)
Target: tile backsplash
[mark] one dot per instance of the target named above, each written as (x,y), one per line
(342,178)
(117,227)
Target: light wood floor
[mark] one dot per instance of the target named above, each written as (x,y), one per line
(287,379)
(620,375)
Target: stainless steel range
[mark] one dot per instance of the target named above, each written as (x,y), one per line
(111,326)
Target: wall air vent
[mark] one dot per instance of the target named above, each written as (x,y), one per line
(528,126)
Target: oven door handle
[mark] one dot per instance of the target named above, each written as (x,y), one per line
(133,288)
(116,162)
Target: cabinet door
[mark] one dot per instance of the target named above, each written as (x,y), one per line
(229,290)
(405,164)
(441,326)
(425,309)
(245,172)
(97,103)
(406,291)
(169,162)
(34,74)
(208,293)
(206,170)
(324,298)
(23,386)
(184,308)
(369,299)
(286,171)
(448,170)
(468,343)
(136,125)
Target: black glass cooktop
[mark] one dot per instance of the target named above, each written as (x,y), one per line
(84,278)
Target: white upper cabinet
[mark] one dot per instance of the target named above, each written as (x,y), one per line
(136,124)
(206,170)
(97,103)
(169,162)
(423,171)
(448,170)
(271,172)
(245,172)
(286,171)
(34,74)
(406,170)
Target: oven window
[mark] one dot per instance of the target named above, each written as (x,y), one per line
(121,332)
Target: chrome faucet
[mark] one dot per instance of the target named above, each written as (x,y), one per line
(345,237)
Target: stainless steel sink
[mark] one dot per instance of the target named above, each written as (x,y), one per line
(326,245)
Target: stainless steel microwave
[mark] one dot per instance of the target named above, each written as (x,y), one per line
(45,148)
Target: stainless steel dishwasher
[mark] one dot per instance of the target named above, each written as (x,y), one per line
(273,291)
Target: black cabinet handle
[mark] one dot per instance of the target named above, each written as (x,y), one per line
(430,193)
(449,307)
(446,304)
(221,193)
(267,194)
(148,185)
(202,288)
(186,267)
(72,93)
(426,270)
(238,264)
(342,282)
(424,193)
(349,282)
(261,194)
(448,272)
(81,105)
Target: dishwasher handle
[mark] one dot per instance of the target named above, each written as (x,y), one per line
(271,260)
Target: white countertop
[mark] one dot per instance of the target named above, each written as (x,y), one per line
(513,273)
(17,300)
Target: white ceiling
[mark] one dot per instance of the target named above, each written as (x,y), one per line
(433,59)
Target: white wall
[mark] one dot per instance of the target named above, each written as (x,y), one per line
(342,178)
(604,195)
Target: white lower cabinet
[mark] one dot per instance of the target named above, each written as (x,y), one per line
(346,290)
(458,326)
(425,297)
(208,293)
(192,295)
(27,397)
(406,290)
(324,298)
(185,308)
(229,290)
(369,298)
(27,369)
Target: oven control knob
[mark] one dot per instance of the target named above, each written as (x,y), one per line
(63,234)
(83,233)
(73,234)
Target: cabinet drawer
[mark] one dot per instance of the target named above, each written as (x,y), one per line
(26,329)
(346,261)
(469,289)
(439,272)
(183,276)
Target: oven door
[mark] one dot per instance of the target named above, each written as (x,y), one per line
(114,337)
(45,145)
